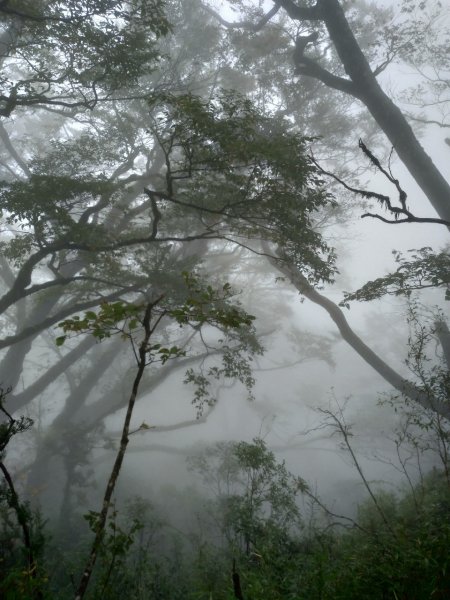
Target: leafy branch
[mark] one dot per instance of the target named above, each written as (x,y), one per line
(425,270)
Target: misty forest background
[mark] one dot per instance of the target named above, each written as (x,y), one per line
(224,277)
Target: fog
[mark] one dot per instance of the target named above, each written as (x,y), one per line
(184,231)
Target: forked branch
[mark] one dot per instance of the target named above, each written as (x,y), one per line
(400,213)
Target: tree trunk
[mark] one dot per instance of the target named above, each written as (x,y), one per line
(363,84)
(388,116)
(404,386)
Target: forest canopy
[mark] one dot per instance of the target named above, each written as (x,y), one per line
(192,402)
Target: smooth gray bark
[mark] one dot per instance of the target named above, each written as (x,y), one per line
(404,386)
(363,85)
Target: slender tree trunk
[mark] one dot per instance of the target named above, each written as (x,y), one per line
(102,516)
(444,337)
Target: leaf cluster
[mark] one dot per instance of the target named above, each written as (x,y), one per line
(246,174)
(68,52)
(424,269)
(111,317)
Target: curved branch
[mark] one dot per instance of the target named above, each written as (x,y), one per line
(23,278)
(365,352)
(310,68)
(245,24)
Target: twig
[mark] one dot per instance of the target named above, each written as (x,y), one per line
(382,198)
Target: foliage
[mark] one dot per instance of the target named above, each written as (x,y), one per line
(19,581)
(255,508)
(427,269)
(20,572)
(199,306)
(256,493)
(410,563)
(149,316)
(140,557)
(405,559)
(225,158)
(106,217)
(74,53)
(423,430)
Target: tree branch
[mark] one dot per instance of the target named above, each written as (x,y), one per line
(365,352)
(245,24)
(301,13)
(62,314)
(17,401)
(383,199)
(13,152)
(310,68)
(410,219)
(428,121)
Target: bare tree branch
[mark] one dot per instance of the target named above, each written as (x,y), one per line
(428,121)
(382,198)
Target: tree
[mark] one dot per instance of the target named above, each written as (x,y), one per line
(359,82)
(155,196)
(363,85)
(172,175)
(202,307)
(72,55)
(257,511)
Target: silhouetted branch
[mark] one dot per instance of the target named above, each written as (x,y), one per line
(428,121)
(8,429)
(337,422)
(409,219)
(382,198)
(245,24)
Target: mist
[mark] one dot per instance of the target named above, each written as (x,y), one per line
(224,293)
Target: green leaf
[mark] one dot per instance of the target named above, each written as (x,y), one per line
(60,340)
